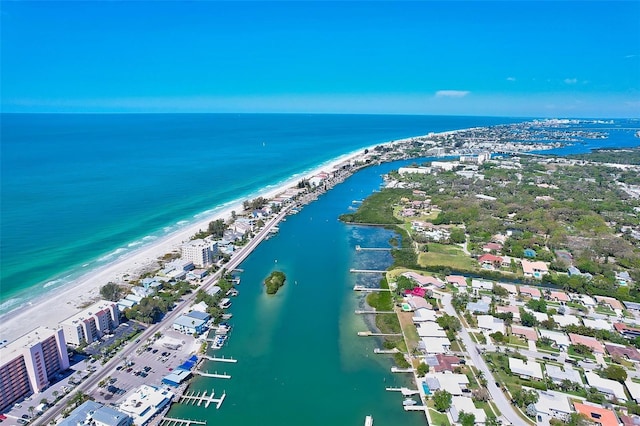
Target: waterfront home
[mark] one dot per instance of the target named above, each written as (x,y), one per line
(417,302)
(192,323)
(557,374)
(597,324)
(434,345)
(450,382)
(621,351)
(527,333)
(526,370)
(490,261)
(491,324)
(416,291)
(632,305)
(551,404)
(626,331)
(610,388)
(478,285)
(565,320)
(465,404)
(430,329)
(423,280)
(591,342)
(531,292)
(534,269)
(559,338)
(456,280)
(443,362)
(424,314)
(511,288)
(597,414)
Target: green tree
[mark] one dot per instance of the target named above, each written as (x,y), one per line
(615,372)
(537,305)
(449,322)
(527,319)
(422,369)
(500,291)
(466,419)
(441,400)
(523,398)
(498,336)
(111,291)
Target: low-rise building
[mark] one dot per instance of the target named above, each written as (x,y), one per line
(481,285)
(610,388)
(511,288)
(531,292)
(490,323)
(590,342)
(145,402)
(558,375)
(450,382)
(92,413)
(424,314)
(560,339)
(597,414)
(528,370)
(460,404)
(622,351)
(597,324)
(626,331)
(456,280)
(559,296)
(534,269)
(552,404)
(528,333)
(565,320)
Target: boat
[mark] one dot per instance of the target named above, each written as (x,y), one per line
(368,421)
(409,401)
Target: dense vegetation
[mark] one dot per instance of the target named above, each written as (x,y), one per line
(378,208)
(274,281)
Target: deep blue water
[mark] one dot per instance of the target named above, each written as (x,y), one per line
(80,190)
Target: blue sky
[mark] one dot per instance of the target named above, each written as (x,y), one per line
(508,58)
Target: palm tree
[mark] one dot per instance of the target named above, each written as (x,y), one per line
(31,410)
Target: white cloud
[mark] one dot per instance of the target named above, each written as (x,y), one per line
(452,93)
(570,80)
(511,79)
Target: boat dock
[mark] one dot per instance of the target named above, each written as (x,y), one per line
(370,333)
(404,391)
(214,375)
(170,421)
(363,288)
(401,370)
(367,271)
(222,359)
(360,312)
(197,399)
(415,408)
(386,351)
(358,248)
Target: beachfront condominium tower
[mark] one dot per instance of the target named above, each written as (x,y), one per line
(28,364)
(199,252)
(92,323)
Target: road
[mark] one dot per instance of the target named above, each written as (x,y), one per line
(498,397)
(90,384)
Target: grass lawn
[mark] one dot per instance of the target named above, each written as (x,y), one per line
(517,341)
(545,348)
(451,256)
(409,330)
(480,338)
(438,419)
(455,346)
(573,353)
(604,310)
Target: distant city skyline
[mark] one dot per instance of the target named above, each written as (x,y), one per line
(529,59)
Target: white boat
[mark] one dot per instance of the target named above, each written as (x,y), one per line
(409,401)
(368,421)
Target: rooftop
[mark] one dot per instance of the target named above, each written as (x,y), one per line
(587,341)
(597,414)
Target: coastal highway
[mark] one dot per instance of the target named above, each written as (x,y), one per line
(499,398)
(90,383)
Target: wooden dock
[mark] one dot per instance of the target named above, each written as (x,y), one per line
(370,333)
(367,271)
(415,408)
(197,399)
(170,421)
(386,351)
(368,289)
(360,312)
(358,248)
(221,359)
(405,391)
(214,375)
(401,370)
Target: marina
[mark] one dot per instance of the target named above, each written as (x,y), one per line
(170,421)
(197,398)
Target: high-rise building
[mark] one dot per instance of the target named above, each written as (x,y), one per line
(199,252)
(92,323)
(29,363)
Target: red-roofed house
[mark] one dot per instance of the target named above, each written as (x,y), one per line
(423,280)
(590,342)
(489,247)
(532,292)
(457,280)
(528,333)
(626,331)
(610,301)
(559,296)
(534,269)
(622,351)
(597,414)
(418,291)
(446,363)
(490,261)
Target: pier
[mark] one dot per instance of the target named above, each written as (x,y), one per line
(358,248)
(360,312)
(369,333)
(366,271)
(386,351)
(401,370)
(214,375)
(405,391)
(170,421)
(197,399)
(363,288)
(415,408)
(222,359)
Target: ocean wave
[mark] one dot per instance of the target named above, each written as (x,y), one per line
(149,238)
(52,282)
(112,254)
(135,244)
(10,303)
(182,222)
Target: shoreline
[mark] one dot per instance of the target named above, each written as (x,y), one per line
(70,297)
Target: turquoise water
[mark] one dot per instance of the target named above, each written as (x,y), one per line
(81,190)
(300,361)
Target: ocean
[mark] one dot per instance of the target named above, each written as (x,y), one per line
(81,190)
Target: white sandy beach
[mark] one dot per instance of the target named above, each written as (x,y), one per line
(66,301)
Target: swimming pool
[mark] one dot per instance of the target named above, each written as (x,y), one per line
(425,388)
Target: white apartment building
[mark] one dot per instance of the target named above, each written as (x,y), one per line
(28,363)
(92,323)
(199,252)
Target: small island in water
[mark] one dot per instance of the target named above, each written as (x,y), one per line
(274,281)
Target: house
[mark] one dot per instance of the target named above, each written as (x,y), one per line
(465,404)
(456,280)
(445,362)
(424,314)
(621,351)
(552,404)
(587,301)
(422,280)
(534,269)
(623,278)
(565,320)
(614,304)
(92,413)
(597,415)
(511,288)
(591,342)
(490,261)
(509,308)
(557,374)
(632,305)
(478,285)
(434,345)
(610,388)
(597,324)
(417,291)
(633,388)
(490,323)
(626,331)
(559,296)
(630,420)
(417,302)
(540,316)
(430,329)
(507,261)
(560,339)
(491,247)
(532,292)
(528,333)
(479,306)
(527,370)
(450,382)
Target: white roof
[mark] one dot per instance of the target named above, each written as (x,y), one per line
(605,385)
(482,284)
(598,324)
(560,338)
(424,314)
(144,402)
(565,320)
(464,403)
(550,402)
(529,369)
(633,388)
(491,323)
(436,345)
(540,316)
(451,382)
(430,329)
(588,300)
(556,373)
